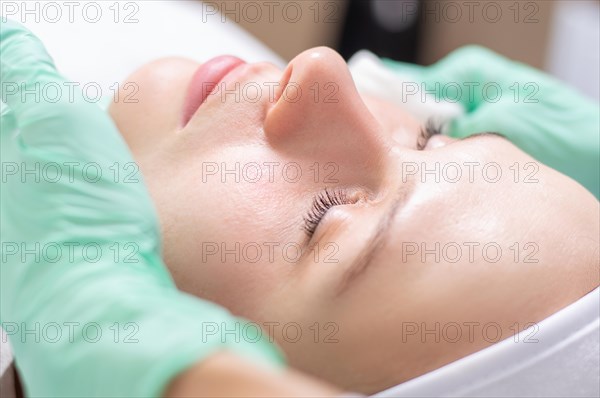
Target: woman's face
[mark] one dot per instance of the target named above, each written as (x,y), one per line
(370,253)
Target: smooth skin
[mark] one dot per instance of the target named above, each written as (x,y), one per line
(364,314)
(228,375)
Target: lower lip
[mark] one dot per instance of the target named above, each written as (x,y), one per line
(205,80)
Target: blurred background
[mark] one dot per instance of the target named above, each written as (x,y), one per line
(561,37)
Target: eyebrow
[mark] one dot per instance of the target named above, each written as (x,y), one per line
(485,134)
(378,239)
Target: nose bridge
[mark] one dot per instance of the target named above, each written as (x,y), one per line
(320,113)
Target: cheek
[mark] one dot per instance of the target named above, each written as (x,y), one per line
(220,241)
(235,269)
(149,103)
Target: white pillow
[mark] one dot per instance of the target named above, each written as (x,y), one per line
(106,52)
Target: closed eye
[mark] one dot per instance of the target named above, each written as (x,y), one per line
(322,202)
(426,132)
(485,134)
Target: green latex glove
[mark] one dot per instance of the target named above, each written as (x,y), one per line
(542,116)
(150,331)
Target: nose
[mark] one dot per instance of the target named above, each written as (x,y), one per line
(320,115)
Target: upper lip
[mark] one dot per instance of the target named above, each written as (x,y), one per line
(204,81)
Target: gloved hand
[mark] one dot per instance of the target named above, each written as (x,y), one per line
(87,302)
(544,117)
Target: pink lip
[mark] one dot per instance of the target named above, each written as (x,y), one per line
(205,80)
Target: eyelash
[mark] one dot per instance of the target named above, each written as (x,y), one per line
(322,202)
(329,198)
(429,130)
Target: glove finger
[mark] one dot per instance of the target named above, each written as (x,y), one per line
(65,152)
(26,66)
(475,75)
(561,139)
(27,69)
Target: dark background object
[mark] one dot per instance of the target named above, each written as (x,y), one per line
(388,28)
